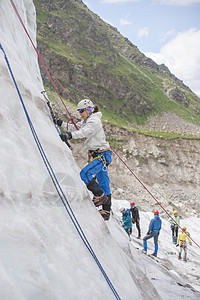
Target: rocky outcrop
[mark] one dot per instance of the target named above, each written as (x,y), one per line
(178,96)
(167,171)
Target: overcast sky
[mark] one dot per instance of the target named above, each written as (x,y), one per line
(168,31)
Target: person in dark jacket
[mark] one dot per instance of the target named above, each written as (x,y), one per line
(135,217)
(154,230)
(127,220)
(175,222)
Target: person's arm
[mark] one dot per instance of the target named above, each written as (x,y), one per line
(71,127)
(187,236)
(150,226)
(87,130)
(170,220)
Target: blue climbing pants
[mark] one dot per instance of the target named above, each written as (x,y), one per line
(149,236)
(97,167)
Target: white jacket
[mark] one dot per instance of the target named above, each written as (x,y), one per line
(92,130)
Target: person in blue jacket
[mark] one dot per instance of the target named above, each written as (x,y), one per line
(127,220)
(154,230)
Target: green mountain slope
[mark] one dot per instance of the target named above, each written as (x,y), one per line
(92,59)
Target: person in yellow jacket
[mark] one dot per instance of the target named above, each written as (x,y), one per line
(181,242)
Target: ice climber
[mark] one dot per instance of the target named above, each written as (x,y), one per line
(153,232)
(174,226)
(181,242)
(126,220)
(135,217)
(95,174)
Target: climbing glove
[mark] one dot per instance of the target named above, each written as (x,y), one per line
(66,136)
(57,121)
(177,245)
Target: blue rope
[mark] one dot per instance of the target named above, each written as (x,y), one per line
(58,187)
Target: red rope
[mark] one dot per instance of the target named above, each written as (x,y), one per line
(42,62)
(60,83)
(71,118)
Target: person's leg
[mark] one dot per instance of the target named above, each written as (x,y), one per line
(176,231)
(127,231)
(138,228)
(172,228)
(91,169)
(104,181)
(176,235)
(147,237)
(106,208)
(185,253)
(156,243)
(86,174)
(180,251)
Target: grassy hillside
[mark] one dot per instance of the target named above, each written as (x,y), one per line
(92,59)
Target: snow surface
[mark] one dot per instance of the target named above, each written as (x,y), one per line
(41,254)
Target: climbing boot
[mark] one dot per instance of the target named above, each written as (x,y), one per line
(144,251)
(99,196)
(105,214)
(179,256)
(99,200)
(184,258)
(154,254)
(107,205)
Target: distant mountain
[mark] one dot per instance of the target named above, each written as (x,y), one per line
(92,59)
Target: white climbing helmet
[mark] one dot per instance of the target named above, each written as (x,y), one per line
(85,103)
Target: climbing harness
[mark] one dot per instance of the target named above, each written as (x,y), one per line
(97,154)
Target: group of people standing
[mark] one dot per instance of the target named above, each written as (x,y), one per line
(95,176)
(179,239)
(131,216)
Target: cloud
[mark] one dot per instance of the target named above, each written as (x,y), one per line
(169,34)
(143,32)
(124,22)
(182,56)
(178,2)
